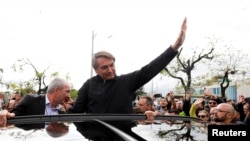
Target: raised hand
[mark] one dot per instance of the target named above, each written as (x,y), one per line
(198,101)
(242,99)
(207,92)
(181,37)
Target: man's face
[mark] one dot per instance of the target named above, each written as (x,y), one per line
(163,102)
(212,103)
(142,105)
(18,97)
(106,68)
(221,113)
(212,113)
(246,108)
(179,105)
(62,94)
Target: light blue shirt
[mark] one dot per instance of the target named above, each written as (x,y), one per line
(49,110)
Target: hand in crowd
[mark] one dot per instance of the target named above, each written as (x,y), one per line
(151,115)
(242,99)
(208,93)
(4,115)
(198,101)
(171,95)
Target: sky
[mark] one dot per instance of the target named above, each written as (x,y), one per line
(58,33)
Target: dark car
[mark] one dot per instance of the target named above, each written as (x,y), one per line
(164,128)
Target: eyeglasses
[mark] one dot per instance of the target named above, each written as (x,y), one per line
(212,103)
(219,110)
(201,116)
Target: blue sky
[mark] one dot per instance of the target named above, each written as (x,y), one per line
(135,31)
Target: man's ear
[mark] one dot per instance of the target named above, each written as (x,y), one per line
(230,115)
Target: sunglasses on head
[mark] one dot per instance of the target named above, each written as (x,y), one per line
(201,116)
(212,103)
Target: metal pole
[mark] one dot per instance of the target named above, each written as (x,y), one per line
(92,54)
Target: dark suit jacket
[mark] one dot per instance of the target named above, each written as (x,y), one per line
(31,105)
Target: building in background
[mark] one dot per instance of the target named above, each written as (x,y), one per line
(232,92)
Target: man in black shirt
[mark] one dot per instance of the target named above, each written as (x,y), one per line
(111,94)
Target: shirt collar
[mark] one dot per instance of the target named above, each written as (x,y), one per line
(47,103)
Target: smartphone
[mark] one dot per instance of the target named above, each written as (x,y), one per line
(158,95)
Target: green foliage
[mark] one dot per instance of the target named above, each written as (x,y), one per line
(74,94)
(22,87)
(39,78)
(54,74)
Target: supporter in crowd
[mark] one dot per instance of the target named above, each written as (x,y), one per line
(162,108)
(224,114)
(246,109)
(187,103)
(213,100)
(241,102)
(197,106)
(179,107)
(166,104)
(156,98)
(145,103)
(212,114)
(204,115)
(14,101)
(171,100)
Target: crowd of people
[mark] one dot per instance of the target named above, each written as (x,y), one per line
(107,93)
(210,108)
(10,101)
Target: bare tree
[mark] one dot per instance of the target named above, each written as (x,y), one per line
(228,62)
(186,66)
